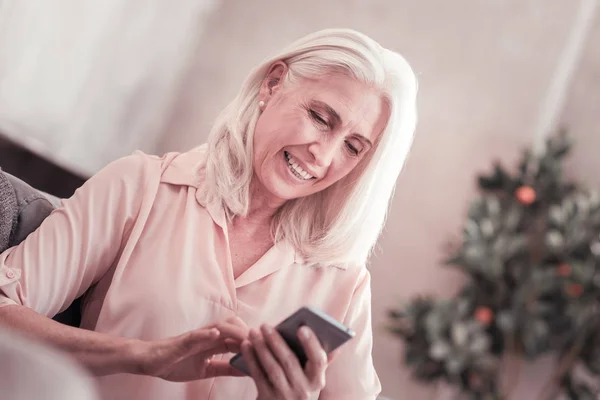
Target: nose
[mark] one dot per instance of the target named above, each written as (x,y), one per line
(323,152)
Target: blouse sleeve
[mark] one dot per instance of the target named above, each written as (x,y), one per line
(352,374)
(78,242)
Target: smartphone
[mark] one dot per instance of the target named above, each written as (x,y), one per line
(331,333)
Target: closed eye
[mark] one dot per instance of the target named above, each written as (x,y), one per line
(353,150)
(317,118)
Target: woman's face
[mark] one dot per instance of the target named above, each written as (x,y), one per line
(311,135)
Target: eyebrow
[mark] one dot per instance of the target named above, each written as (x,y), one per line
(337,119)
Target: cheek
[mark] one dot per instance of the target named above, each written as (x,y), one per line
(340,172)
(337,172)
(306,129)
(295,128)
(265,140)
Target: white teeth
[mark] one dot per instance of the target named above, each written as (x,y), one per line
(296,168)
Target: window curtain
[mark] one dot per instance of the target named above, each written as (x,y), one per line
(83,82)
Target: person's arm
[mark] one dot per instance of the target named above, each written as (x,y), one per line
(70,251)
(351,375)
(100,353)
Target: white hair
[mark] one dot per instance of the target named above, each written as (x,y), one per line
(341,224)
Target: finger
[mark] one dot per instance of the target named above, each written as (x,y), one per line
(286,358)
(231,334)
(232,330)
(221,368)
(233,322)
(233,346)
(256,372)
(193,342)
(317,357)
(221,346)
(218,348)
(333,355)
(273,370)
(237,321)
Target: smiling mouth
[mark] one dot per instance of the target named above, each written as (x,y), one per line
(295,168)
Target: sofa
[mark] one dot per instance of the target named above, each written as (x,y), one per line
(22,210)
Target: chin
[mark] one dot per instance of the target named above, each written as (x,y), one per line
(279,184)
(284,192)
(285,195)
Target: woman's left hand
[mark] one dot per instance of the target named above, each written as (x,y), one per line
(276,369)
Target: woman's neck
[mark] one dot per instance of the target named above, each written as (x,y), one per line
(261,209)
(262,204)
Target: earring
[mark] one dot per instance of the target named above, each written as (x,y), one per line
(261,104)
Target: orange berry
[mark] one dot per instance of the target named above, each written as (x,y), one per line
(563,270)
(484,315)
(574,289)
(526,195)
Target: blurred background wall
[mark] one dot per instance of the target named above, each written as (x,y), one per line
(161,73)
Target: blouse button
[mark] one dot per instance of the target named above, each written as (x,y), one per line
(10,274)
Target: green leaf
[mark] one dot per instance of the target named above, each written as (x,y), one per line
(460,333)
(555,241)
(556,216)
(584,392)
(480,344)
(456,363)
(499,179)
(397,314)
(506,321)
(440,350)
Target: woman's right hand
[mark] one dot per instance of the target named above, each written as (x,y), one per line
(188,357)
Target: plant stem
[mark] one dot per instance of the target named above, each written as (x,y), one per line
(552,387)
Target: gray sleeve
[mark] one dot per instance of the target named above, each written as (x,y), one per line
(9,211)
(33,208)
(30,217)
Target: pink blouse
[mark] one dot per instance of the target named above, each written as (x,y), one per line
(155,262)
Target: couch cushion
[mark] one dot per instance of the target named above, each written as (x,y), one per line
(32,208)
(9,212)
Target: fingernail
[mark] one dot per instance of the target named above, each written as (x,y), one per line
(268,329)
(253,333)
(215,332)
(304,332)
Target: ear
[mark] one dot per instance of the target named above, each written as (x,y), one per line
(273,80)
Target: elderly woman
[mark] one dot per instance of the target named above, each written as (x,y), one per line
(177,256)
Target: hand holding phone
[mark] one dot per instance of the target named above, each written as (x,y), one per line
(330,333)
